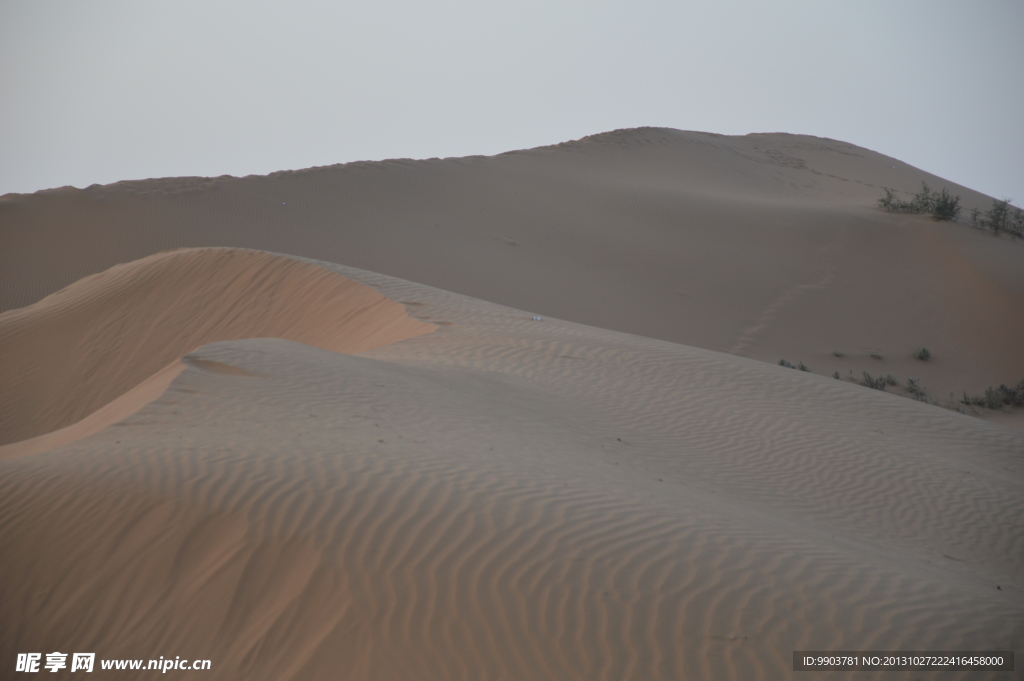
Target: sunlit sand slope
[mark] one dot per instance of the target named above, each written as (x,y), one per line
(506,498)
(80,348)
(767,246)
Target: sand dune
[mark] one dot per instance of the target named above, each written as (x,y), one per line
(767,246)
(511,498)
(110,413)
(82,347)
(305,470)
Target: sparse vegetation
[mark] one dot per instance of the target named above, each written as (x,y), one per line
(975,221)
(945,206)
(915,390)
(996,398)
(941,205)
(801,366)
(992,398)
(868,382)
(890,202)
(1001,217)
(998,216)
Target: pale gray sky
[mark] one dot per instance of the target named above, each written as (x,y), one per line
(96,91)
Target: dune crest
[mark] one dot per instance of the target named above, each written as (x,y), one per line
(770,246)
(84,346)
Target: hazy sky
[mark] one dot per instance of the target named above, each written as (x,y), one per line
(98,91)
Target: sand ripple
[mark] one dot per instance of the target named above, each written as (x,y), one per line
(513,499)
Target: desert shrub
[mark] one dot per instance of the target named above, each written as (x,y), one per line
(915,389)
(1016,223)
(995,398)
(998,217)
(941,205)
(973,400)
(922,201)
(1001,217)
(888,201)
(976,220)
(801,366)
(1013,397)
(945,206)
(836,376)
(1019,402)
(869,382)
(877,354)
(836,353)
(891,380)
(923,354)
(892,203)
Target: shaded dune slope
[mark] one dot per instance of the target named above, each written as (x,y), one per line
(80,348)
(767,246)
(511,499)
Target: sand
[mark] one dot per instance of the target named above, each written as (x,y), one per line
(300,469)
(82,347)
(765,246)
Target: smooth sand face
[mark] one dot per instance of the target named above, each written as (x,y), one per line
(110,413)
(302,470)
(86,345)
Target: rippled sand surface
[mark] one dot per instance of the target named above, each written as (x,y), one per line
(503,497)
(233,428)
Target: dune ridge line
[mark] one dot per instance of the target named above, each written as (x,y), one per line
(86,345)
